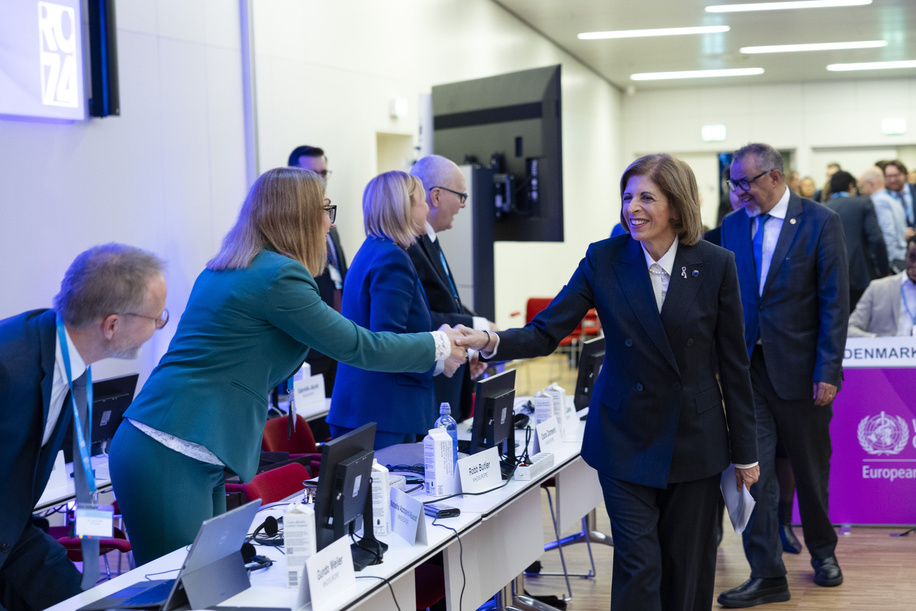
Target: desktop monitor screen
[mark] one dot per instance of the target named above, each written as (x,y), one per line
(493,424)
(590,362)
(343,484)
(110,398)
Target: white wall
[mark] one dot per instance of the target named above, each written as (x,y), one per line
(817,122)
(166,175)
(327,70)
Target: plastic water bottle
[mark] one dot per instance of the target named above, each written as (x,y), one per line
(448,423)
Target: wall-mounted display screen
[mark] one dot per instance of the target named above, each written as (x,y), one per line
(41,60)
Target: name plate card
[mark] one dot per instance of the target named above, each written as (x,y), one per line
(309,393)
(880,352)
(327,576)
(548,436)
(407,517)
(94,521)
(480,472)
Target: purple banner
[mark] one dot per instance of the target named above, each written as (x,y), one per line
(873,469)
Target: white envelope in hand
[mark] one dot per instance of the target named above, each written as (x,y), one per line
(739,504)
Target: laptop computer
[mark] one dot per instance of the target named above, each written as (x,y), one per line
(212,571)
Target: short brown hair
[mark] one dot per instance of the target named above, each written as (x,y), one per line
(107,279)
(677,182)
(283,212)
(387,204)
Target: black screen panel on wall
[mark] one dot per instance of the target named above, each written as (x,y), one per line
(511,124)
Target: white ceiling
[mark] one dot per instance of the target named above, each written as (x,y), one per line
(615,60)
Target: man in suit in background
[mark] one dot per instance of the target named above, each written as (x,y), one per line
(891,216)
(903,192)
(330,283)
(111,301)
(866,252)
(791,258)
(446,194)
(888,307)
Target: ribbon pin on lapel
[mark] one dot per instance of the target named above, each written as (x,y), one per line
(683,272)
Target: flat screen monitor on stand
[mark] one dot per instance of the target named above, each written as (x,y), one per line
(343,494)
(110,399)
(493,424)
(590,362)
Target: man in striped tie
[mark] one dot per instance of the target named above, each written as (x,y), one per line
(112,300)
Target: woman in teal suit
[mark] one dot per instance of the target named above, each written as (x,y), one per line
(383,293)
(251,318)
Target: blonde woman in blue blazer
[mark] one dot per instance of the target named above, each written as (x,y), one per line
(383,293)
(251,318)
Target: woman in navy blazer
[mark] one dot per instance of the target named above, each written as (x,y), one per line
(672,405)
(251,318)
(383,293)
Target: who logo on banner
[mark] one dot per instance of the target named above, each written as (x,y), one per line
(57,34)
(883,434)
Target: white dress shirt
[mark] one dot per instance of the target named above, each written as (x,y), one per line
(60,387)
(770,233)
(660,280)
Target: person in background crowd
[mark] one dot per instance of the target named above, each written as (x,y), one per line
(888,307)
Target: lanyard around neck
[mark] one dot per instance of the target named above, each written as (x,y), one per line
(77,424)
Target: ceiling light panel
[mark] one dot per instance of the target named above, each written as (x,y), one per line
(714,29)
(781,6)
(872,66)
(816,46)
(689,74)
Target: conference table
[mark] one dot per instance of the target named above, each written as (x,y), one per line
(495,537)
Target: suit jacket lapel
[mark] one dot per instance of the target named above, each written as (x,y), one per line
(47,326)
(634,280)
(432,251)
(682,287)
(786,238)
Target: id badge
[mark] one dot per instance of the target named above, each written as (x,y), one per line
(94,521)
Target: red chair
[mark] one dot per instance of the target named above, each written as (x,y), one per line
(571,342)
(299,444)
(117,543)
(276,484)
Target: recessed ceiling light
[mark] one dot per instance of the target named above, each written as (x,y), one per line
(816,46)
(713,29)
(911,63)
(780,6)
(660,76)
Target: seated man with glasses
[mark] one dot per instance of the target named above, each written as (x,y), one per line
(330,283)
(111,300)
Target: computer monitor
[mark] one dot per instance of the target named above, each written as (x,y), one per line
(493,424)
(110,399)
(343,493)
(590,362)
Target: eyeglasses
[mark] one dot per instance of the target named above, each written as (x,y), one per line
(160,320)
(331,210)
(462,197)
(323,173)
(744,183)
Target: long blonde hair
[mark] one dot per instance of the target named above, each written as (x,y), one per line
(283,212)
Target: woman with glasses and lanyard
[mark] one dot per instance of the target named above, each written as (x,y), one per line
(383,293)
(672,405)
(250,320)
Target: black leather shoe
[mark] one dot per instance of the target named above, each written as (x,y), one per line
(790,542)
(827,572)
(755,592)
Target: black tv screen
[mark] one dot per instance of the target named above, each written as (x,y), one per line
(510,123)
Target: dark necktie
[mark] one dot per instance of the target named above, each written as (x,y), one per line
(758,249)
(90,547)
(448,274)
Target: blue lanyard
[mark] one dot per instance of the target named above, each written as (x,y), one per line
(77,425)
(906,306)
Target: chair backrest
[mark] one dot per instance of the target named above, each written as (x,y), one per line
(300,442)
(276,484)
(535,305)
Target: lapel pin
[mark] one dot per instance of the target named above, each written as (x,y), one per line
(695,273)
(683,272)
(791,221)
